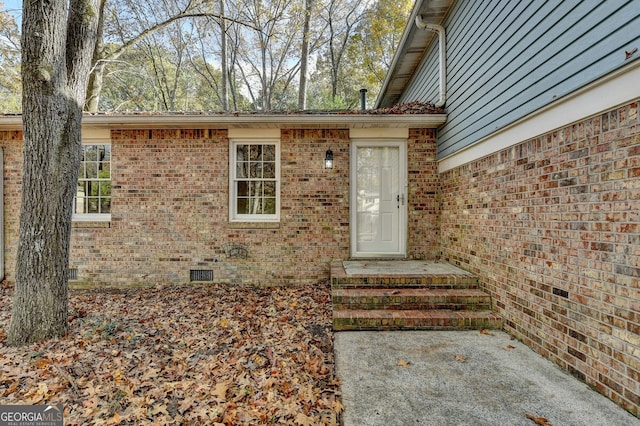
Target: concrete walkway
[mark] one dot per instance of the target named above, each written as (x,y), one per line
(460,378)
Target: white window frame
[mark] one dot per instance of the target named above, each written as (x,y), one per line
(93,217)
(234,216)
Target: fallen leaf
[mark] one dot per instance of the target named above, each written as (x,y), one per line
(220,391)
(303,419)
(461,358)
(486,331)
(403,363)
(183,355)
(509,347)
(538,420)
(185,405)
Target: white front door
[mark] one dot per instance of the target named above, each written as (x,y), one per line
(378,199)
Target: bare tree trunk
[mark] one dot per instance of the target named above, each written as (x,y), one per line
(94,88)
(224,96)
(304,56)
(57,42)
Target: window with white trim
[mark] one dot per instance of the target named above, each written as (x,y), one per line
(254,193)
(93,192)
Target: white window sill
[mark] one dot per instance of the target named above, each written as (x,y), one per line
(91,221)
(238,224)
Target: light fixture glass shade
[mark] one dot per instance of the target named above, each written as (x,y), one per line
(328,159)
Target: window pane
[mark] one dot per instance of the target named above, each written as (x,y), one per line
(255,188)
(256,205)
(269,189)
(105,170)
(241,170)
(92,206)
(256,170)
(256,152)
(242,188)
(270,206)
(241,153)
(269,153)
(91,170)
(242,206)
(269,170)
(105,205)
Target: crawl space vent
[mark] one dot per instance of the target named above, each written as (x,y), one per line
(201,275)
(73,274)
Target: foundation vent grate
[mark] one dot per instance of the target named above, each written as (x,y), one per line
(200,275)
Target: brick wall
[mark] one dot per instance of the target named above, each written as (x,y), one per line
(424,195)
(552,227)
(170,210)
(11,143)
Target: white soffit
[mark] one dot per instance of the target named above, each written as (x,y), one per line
(397,133)
(615,89)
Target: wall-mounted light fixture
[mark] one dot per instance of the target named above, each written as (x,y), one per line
(328,159)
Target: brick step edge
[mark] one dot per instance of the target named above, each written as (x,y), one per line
(415,320)
(410,299)
(423,281)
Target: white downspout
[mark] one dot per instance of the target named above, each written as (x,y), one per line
(443,56)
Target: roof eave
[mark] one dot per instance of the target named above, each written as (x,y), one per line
(328,121)
(411,50)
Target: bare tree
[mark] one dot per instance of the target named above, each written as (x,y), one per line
(130,22)
(224,92)
(342,18)
(268,62)
(304,55)
(57,44)
(9,63)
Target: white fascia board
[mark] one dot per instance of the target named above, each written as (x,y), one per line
(615,89)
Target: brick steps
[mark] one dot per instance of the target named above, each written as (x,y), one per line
(410,299)
(408,296)
(435,319)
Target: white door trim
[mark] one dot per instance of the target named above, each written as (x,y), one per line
(403,191)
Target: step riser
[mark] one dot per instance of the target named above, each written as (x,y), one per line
(412,306)
(371,296)
(412,303)
(434,282)
(383,324)
(411,299)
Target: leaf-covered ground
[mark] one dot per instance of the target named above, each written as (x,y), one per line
(206,354)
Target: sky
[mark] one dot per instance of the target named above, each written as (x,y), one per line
(14,7)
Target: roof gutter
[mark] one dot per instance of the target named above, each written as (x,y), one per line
(257,121)
(443,55)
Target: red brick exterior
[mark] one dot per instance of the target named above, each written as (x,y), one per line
(552,227)
(424,195)
(170,210)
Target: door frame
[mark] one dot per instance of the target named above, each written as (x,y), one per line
(403,188)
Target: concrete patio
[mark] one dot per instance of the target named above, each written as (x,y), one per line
(460,378)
